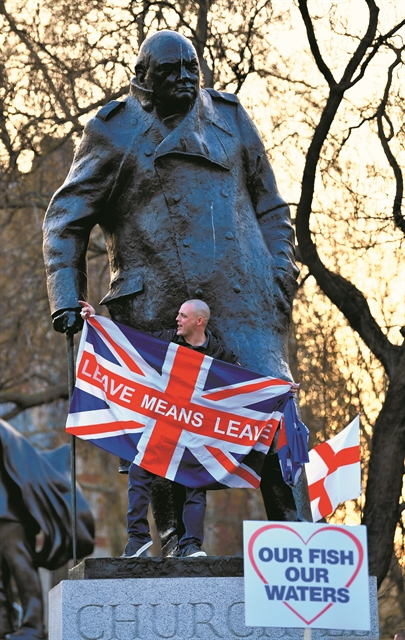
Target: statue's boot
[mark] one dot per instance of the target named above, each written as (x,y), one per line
(281,501)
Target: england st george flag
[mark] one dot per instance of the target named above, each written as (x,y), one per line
(179,414)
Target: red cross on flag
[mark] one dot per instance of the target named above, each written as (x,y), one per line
(333,471)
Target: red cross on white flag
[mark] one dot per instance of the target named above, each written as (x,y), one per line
(333,471)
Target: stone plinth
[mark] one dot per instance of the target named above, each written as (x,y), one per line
(152,598)
(208,567)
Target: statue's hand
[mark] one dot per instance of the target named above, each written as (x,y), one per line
(68,321)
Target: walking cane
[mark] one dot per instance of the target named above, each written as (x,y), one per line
(71,386)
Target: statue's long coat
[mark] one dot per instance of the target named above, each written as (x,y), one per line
(192,212)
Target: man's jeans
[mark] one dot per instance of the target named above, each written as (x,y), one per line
(139,483)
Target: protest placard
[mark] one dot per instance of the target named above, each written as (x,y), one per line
(301,574)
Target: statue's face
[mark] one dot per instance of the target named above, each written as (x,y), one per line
(173,75)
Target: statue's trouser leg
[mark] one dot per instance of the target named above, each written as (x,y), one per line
(18,552)
(281,501)
(167,506)
(6,614)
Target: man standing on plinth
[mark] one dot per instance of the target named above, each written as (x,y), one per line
(178,179)
(188,534)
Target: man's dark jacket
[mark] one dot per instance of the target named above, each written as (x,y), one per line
(194,212)
(213,346)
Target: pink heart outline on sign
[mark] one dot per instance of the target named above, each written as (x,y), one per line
(322,530)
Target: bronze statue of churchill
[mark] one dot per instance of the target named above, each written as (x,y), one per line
(178,179)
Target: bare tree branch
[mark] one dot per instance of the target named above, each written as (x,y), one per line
(375,49)
(381,117)
(365,42)
(313,43)
(25,401)
(30,46)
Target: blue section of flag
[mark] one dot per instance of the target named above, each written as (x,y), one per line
(293,447)
(272,404)
(222,374)
(192,474)
(99,347)
(83,401)
(152,350)
(238,456)
(123,443)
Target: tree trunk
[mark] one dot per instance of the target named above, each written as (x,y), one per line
(200,39)
(385,473)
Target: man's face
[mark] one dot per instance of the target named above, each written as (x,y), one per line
(173,75)
(187,320)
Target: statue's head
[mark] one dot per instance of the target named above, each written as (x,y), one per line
(168,66)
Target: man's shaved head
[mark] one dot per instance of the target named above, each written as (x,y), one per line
(191,321)
(200,308)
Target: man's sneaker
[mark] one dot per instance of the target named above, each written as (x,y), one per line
(134,548)
(192,551)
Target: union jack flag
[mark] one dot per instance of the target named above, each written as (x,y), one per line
(178,413)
